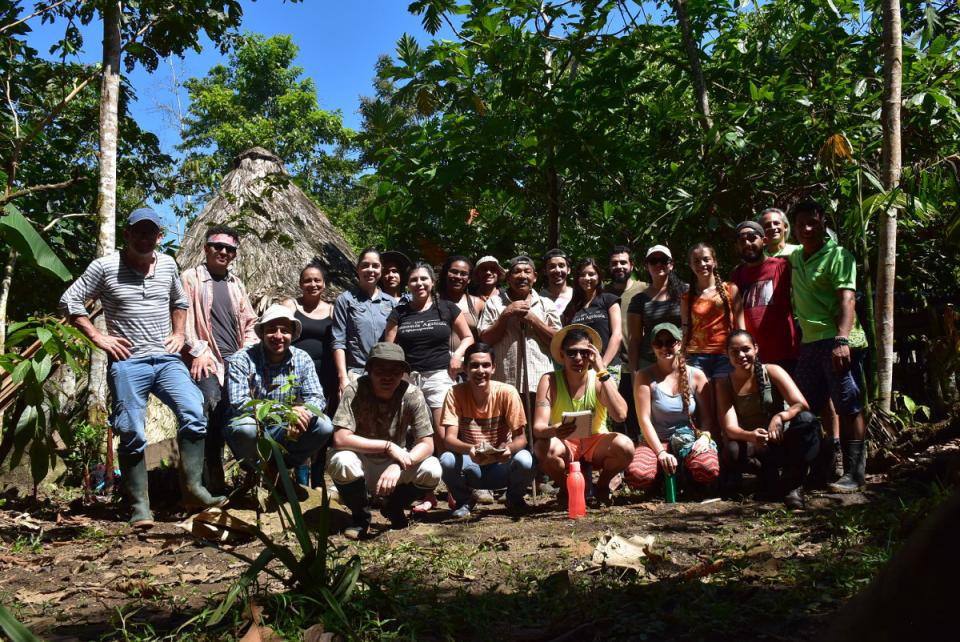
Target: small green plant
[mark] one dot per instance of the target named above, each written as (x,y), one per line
(32,544)
(36,414)
(314,573)
(84,444)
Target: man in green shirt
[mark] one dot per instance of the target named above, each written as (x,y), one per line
(777,230)
(830,359)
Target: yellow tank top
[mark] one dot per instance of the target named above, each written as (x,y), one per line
(589,401)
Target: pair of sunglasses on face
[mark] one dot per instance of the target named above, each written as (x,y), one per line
(664,343)
(575,352)
(223,247)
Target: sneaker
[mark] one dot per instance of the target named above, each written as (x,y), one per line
(354,532)
(461,511)
(482,496)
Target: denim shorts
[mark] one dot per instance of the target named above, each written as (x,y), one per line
(713,365)
(817,379)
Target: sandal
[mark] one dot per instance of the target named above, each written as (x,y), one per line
(429,503)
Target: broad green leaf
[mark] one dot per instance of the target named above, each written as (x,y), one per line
(20,372)
(13,629)
(17,231)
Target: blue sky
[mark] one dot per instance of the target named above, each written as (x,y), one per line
(339,42)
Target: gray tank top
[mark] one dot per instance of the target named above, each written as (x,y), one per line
(666,410)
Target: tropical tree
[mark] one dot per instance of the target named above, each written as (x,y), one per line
(260,98)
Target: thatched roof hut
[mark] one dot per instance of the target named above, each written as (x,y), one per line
(282,231)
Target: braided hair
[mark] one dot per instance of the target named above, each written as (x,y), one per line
(579,298)
(683,384)
(694,293)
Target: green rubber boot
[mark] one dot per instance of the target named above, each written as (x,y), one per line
(133,472)
(195,495)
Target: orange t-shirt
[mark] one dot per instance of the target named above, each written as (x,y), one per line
(496,424)
(709,326)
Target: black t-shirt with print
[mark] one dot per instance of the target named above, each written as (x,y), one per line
(425,335)
(597,316)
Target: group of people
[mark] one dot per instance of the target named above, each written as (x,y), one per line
(473,376)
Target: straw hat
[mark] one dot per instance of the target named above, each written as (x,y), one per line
(555,344)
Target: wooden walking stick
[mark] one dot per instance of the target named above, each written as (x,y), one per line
(524,380)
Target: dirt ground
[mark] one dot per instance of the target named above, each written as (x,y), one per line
(715,569)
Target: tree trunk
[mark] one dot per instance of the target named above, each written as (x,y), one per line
(5,284)
(696,71)
(106,202)
(891,164)
(553,204)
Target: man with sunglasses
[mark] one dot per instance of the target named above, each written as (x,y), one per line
(764,284)
(145,309)
(220,322)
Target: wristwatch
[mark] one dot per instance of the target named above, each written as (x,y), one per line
(841,341)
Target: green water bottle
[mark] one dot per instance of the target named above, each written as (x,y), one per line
(670,489)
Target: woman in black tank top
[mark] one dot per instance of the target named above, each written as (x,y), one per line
(316,339)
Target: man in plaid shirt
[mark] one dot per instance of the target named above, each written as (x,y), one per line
(274,370)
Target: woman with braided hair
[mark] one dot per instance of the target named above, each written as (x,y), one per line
(709,311)
(669,395)
(767,422)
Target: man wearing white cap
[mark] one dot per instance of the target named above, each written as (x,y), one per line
(145,310)
(273,369)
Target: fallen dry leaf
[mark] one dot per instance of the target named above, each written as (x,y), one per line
(316,633)
(137,588)
(141,552)
(195,574)
(38,597)
(160,570)
(614,550)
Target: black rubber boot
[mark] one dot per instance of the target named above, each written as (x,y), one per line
(854,467)
(195,495)
(354,497)
(395,506)
(133,472)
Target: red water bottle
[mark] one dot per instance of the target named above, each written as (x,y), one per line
(576,504)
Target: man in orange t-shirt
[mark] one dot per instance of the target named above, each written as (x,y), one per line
(486,445)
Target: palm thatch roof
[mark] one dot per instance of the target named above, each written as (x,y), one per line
(281,229)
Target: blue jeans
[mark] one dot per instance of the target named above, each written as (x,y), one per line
(462,475)
(131,381)
(713,365)
(241,434)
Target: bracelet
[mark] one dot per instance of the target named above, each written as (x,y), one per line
(386,448)
(841,341)
(661,452)
(603,373)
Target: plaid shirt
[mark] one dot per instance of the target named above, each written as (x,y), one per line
(250,376)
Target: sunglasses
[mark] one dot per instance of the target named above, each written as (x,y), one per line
(664,343)
(223,247)
(575,352)
(658,260)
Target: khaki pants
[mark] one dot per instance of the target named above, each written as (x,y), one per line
(347,466)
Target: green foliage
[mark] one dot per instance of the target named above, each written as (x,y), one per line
(598,96)
(13,629)
(260,99)
(36,412)
(17,232)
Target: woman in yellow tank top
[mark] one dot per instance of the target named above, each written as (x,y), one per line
(580,383)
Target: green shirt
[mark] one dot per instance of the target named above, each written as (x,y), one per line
(785,251)
(814,294)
